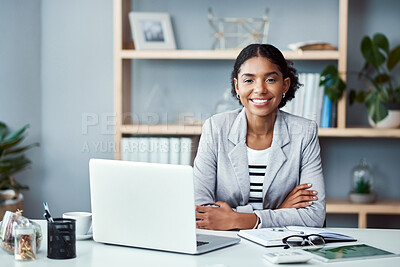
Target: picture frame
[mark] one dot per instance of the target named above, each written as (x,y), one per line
(151,30)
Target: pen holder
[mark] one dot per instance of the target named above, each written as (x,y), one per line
(61,240)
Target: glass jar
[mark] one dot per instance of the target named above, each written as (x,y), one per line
(25,241)
(362,178)
(227,103)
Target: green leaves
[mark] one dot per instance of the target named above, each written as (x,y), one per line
(370,49)
(334,85)
(10,166)
(375,105)
(11,159)
(355,96)
(394,58)
(3,130)
(363,186)
(15,134)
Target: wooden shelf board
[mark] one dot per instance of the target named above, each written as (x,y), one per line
(359,132)
(221,54)
(342,206)
(161,129)
(173,129)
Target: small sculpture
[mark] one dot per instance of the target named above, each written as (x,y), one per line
(236,33)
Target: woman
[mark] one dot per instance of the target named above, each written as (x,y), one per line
(259,166)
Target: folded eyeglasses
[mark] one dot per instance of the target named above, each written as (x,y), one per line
(298,241)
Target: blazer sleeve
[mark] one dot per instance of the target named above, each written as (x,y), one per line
(310,172)
(205,166)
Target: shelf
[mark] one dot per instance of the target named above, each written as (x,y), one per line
(343,206)
(359,132)
(161,129)
(181,129)
(221,54)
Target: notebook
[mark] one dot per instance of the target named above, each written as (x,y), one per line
(271,237)
(147,205)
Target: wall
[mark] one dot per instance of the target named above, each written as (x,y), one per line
(66,89)
(77,93)
(20,85)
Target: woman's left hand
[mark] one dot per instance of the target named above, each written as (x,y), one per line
(215,218)
(300,197)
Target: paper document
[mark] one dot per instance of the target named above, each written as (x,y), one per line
(270,237)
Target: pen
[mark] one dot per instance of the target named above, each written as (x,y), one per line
(286,230)
(278,229)
(47,214)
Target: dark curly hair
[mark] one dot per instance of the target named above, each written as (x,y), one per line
(275,56)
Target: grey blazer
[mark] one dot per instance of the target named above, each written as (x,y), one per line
(221,170)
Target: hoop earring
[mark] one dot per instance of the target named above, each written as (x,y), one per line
(237,96)
(283,95)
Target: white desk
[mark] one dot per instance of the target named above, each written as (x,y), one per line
(246,253)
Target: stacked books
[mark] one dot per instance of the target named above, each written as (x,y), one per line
(310,102)
(169,150)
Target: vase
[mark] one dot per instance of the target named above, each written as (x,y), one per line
(362,198)
(10,204)
(392,120)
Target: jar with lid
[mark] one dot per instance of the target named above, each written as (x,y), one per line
(25,241)
(362,183)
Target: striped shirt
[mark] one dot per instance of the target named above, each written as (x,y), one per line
(257,168)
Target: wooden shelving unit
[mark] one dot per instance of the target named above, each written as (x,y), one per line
(124,54)
(343,206)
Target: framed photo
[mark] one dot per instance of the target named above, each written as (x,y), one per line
(152,30)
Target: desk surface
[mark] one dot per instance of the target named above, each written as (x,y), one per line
(246,253)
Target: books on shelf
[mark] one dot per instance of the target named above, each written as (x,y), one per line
(174,150)
(326,112)
(310,101)
(270,237)
(170,150)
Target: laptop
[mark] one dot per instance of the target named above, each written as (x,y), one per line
(147,205)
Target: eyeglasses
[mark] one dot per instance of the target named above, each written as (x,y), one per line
(298,241)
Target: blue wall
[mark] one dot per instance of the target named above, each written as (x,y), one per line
(56,73)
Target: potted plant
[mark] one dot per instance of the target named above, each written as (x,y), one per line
(12,161)
(381,78)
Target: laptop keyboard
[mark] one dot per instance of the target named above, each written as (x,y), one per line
(200,243)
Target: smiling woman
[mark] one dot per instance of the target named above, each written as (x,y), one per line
(259,166)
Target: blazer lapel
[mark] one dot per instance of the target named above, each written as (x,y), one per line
(276,156)
(238,155)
